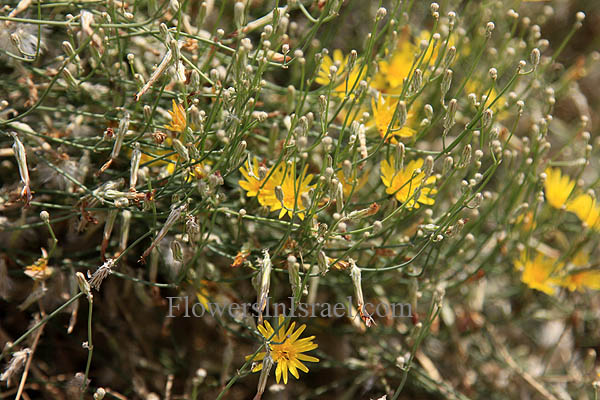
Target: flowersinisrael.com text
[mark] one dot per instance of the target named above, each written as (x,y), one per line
(182,306)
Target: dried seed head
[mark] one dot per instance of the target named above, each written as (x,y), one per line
(101,273)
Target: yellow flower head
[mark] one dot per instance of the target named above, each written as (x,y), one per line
(405,182)
(391,74)
(263,188)
(383,113)
(195,171)
(478,87)
(292,187)
(537,272)
(353,77)
(527,221)
(557,187)
(580,280)
(39,270)
(178,121)
(286,349)
(586,208)
(347,183)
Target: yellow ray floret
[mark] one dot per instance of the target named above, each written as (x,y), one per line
(558,187)
(178,119)
(403,183)
(286,349)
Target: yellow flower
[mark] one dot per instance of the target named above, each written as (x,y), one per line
(477,87)
(537,272)
(383,113)
(526,221)
(580,280)
(256,187)
(581,258)
(405,182)
(286,349)
(292,187)
(391,74)
(178,121)
(557,187)
(196,170)
(39,270)
(586,208)
(348,183)
(340,89)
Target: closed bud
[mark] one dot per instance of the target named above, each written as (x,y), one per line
(45,217)
(84,286)
(322,262)
(339,197)
(417,81)
(448,164)
(322,105)
(279,193)
(450,56)
(428,111)
(147,112)
(487,117)
(535,56)
(351,60)
(347,169)
(71,81)
(466,156)
(177,250)
(450,114)
(381,13)
(446,82)
(181,150)
(489,28)
(428,166)
(400,151)
(68,48)
(402,113)
(294,276)
(238,14)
